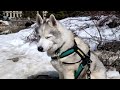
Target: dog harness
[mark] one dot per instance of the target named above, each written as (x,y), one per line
(85,59)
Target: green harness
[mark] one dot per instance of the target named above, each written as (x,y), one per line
(85,59)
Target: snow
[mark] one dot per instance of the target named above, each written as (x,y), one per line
(5,22)
(86,28)
(113,74)
(31,62)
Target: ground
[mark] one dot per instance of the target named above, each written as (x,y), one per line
(20,58)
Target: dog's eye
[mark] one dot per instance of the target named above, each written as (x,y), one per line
(39,36)
(48,37)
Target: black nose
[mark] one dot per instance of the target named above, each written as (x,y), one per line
(40,49)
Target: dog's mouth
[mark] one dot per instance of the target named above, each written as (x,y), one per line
(42,50)
(49,49)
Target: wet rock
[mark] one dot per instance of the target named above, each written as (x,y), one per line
(45,75)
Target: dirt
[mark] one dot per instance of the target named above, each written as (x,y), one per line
(110,55)
(113,46)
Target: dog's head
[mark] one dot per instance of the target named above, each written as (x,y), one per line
(48,34)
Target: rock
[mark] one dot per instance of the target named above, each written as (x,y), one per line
(94,18)
(45,75)
(113,24)
(113,46)
(29,23)
(111,60)
(14,59)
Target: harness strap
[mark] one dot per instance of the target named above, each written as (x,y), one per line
(85,59)
(68,52)
(77,73)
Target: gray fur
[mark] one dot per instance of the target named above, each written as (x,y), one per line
(59,36)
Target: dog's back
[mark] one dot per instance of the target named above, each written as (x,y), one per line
(98,71)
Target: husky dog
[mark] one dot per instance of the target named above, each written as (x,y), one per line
(55,39)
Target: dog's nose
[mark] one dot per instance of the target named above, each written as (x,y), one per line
(40,49)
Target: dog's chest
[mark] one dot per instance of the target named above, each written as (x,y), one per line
(57,65)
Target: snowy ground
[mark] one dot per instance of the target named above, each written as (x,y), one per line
(5,22)
(30,62)
(85,28)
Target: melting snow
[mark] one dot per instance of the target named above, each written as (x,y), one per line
(30,61)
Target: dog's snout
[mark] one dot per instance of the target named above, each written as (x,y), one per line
(40,49)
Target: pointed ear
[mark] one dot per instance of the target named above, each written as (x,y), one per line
(39,19)
(53,20)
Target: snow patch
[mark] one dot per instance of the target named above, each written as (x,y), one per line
(31,62)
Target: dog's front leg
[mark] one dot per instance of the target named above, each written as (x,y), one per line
(68,75)
(61,75)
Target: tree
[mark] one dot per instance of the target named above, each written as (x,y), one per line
(1,14)
(63,14)
(30,14)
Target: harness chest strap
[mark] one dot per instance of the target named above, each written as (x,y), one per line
(85,58)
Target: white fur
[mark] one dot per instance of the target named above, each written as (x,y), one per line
(66,71)
(46,44)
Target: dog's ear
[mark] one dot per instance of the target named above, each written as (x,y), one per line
(39,19)
(53,20)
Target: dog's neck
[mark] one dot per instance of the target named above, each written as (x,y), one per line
(68,40)
(67,44)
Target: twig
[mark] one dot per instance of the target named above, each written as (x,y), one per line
(98,31)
